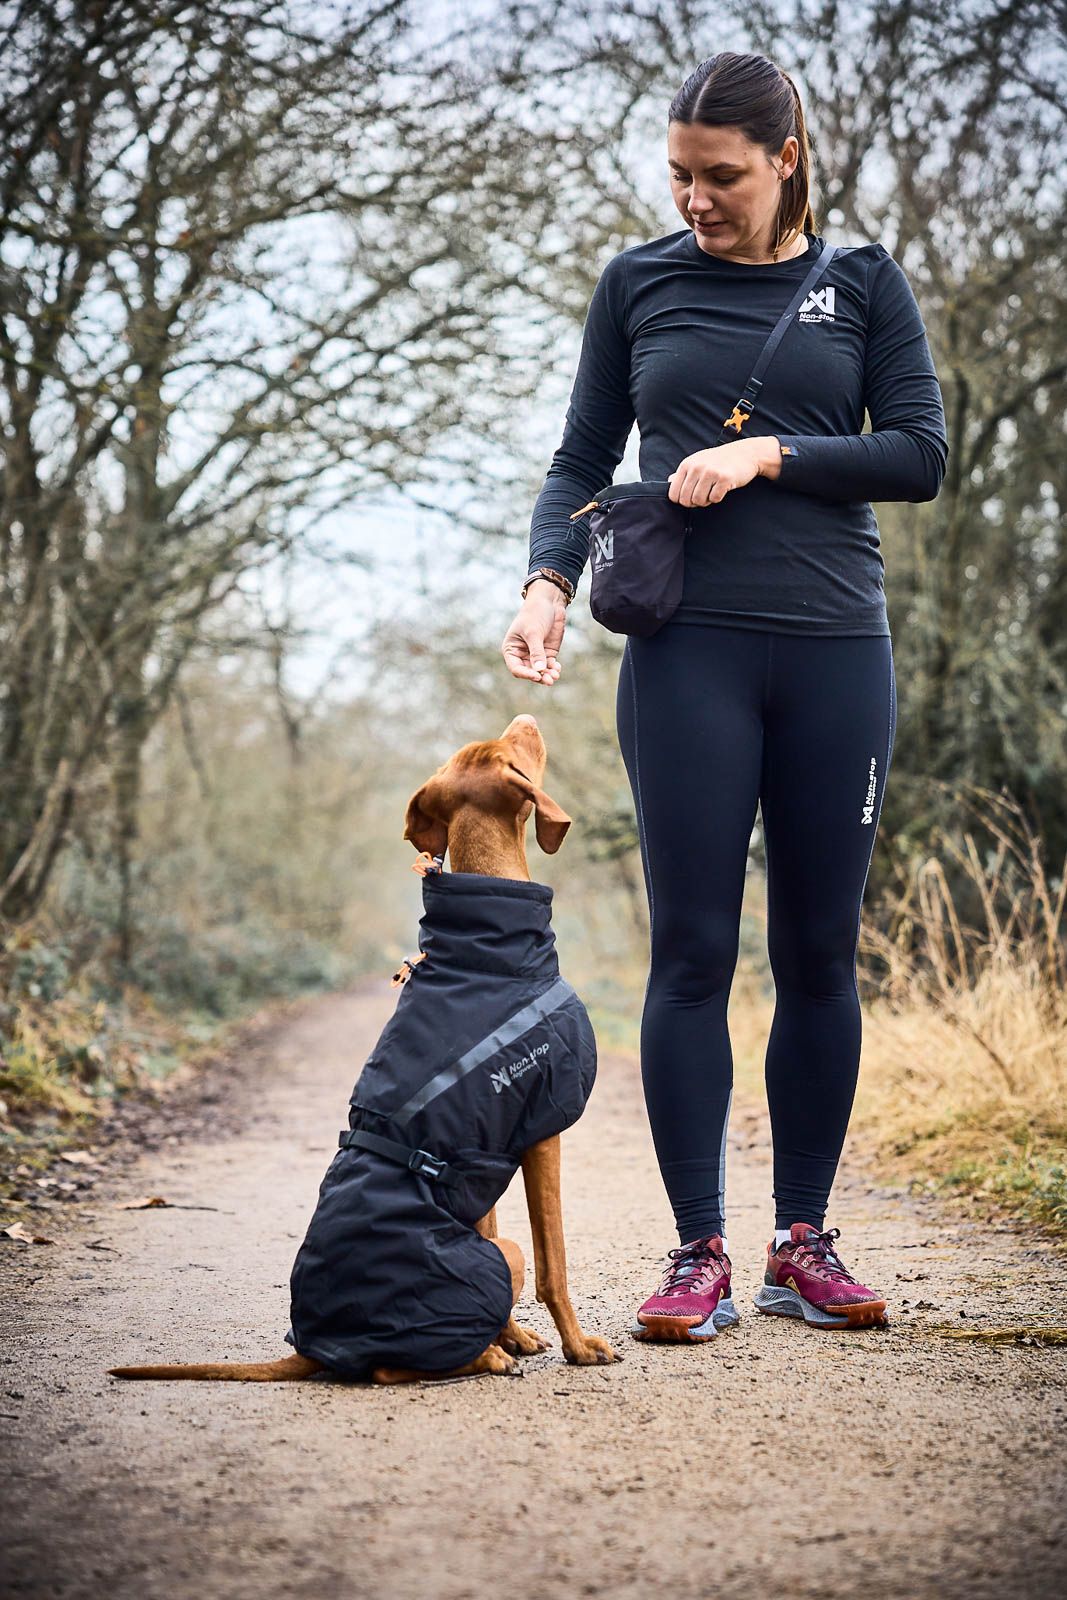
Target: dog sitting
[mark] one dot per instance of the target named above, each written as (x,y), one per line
(488,1057)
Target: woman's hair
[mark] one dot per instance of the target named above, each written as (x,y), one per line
(751,93)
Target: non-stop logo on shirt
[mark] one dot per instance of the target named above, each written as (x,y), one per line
(818,307)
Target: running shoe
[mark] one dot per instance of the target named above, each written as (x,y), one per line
(693,1300)
(806,1278)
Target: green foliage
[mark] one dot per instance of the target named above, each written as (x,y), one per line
(224,970)
(38,971)
(1024,1183)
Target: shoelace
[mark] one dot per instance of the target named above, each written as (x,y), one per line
(824,1260)
(688,1261)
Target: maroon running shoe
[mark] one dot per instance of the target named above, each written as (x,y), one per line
(693,1300)
(806,1278)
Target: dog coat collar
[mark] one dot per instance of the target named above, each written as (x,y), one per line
(478,923)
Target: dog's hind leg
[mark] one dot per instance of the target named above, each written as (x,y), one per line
(493,1360)
(499,1358)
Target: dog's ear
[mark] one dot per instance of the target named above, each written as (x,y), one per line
(550,820)
(422,825)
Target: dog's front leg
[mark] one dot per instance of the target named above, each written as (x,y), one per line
(540,1174)
(515,1339)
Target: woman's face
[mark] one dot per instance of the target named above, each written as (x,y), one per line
(720,178)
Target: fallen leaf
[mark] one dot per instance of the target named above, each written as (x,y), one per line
(144,1203)
(16,1230)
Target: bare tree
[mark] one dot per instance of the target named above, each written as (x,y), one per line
(250,257)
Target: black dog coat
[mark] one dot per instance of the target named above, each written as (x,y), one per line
(488,1052)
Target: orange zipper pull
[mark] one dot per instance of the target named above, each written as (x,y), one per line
(590,507)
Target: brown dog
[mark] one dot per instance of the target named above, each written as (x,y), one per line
(475,807)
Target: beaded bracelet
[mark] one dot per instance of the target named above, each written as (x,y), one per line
(564,585)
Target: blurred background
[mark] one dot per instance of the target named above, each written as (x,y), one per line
(292,297)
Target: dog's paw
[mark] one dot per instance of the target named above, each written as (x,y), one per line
(520,1341)
(590,1351)
(496,1361)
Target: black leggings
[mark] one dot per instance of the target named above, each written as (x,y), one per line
(711,720)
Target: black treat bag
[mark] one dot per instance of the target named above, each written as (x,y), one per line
(637,557)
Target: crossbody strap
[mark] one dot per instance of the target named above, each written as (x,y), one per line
(750,393)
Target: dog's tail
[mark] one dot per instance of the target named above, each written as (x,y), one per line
(285,1370)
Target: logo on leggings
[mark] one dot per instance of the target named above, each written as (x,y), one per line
(604,548)
(872,784)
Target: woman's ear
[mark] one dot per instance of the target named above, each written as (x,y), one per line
(426,830)
(550,820)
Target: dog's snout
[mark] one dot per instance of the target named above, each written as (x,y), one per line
(524,738)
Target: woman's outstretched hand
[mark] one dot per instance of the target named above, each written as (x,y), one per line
(705,477)
(531,644)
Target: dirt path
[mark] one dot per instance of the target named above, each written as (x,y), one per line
(775,1462)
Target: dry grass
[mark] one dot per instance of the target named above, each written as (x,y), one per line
(67,1053)
(964,1081)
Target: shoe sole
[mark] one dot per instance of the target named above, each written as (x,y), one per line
(780,1302)
(682,1330)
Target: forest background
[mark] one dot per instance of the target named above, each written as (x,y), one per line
(291,298)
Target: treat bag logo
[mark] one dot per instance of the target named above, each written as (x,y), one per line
(604,548)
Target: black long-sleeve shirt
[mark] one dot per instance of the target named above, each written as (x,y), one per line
(670,338)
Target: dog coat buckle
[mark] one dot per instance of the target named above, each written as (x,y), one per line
(426,1165)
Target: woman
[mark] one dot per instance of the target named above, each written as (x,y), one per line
(773,682)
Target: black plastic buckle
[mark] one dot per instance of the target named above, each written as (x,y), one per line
(426,1165)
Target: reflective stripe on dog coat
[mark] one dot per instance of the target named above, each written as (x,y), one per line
(488,1052)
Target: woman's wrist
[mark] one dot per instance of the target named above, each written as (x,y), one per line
(553,579)
(769,462)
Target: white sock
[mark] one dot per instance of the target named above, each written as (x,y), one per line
(781,1236)
(725,1245)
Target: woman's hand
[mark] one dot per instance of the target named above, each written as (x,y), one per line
(531,644)
(705,477)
